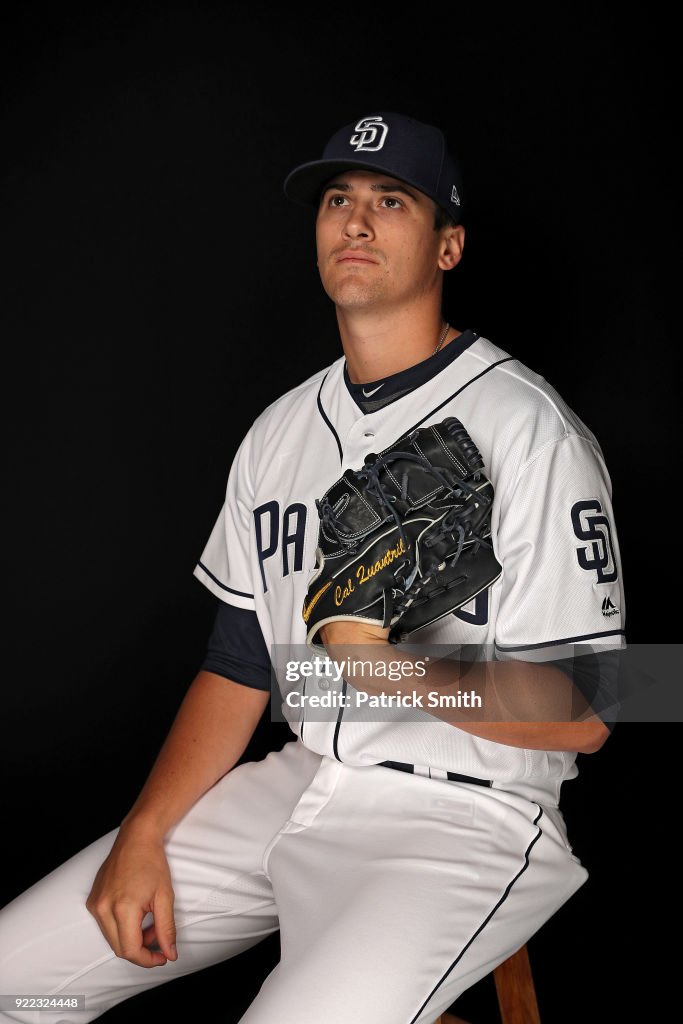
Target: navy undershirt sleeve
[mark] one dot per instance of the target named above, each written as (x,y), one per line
(236,648)
(596,676)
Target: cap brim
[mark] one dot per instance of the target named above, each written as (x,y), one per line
(305,183)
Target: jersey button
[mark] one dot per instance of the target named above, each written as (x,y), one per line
(369,433)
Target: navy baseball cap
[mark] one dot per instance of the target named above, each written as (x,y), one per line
(389,143)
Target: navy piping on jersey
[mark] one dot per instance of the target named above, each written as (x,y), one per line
(337,726)
(327,420)
(239,593)
(303,718)
(459,391)
(486,920)
(565,640)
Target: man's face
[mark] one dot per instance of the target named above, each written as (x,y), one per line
(376,241)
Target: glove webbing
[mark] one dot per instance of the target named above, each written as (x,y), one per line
(370,472)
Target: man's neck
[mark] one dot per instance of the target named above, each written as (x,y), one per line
(380,345)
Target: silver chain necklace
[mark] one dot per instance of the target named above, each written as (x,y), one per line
(442,339)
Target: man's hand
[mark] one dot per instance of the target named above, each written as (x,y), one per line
(132,881)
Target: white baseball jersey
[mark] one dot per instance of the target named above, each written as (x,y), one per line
(551,527)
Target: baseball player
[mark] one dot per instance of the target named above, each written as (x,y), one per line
(401,857)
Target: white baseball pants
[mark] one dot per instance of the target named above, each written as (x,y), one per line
(393,894)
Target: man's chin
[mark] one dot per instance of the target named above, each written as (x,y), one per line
(354,294)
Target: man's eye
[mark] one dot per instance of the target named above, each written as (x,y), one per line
(338,200)
(392,202)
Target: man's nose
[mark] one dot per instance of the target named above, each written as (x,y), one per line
(358,223)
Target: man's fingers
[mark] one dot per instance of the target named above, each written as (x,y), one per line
(164,923)
(149,935)
(129,944)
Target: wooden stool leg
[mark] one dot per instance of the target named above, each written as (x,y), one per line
(515,989)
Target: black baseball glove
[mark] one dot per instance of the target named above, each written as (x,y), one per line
(406,539)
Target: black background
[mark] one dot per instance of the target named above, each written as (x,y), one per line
(159,292)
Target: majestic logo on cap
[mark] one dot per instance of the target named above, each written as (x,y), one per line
(455,198)
(369,130)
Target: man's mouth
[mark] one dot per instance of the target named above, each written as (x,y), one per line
(354,256)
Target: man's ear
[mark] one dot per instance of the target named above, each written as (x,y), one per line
(452,244)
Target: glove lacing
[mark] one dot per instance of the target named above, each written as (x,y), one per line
(371,473)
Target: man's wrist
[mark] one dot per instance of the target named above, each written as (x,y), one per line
(351,633)
(143,825)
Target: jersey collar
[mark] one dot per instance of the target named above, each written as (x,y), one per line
(376,394)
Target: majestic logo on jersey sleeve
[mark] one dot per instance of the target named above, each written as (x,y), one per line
(592,526)
(371,134)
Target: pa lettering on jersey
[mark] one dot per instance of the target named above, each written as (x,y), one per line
(280,536)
